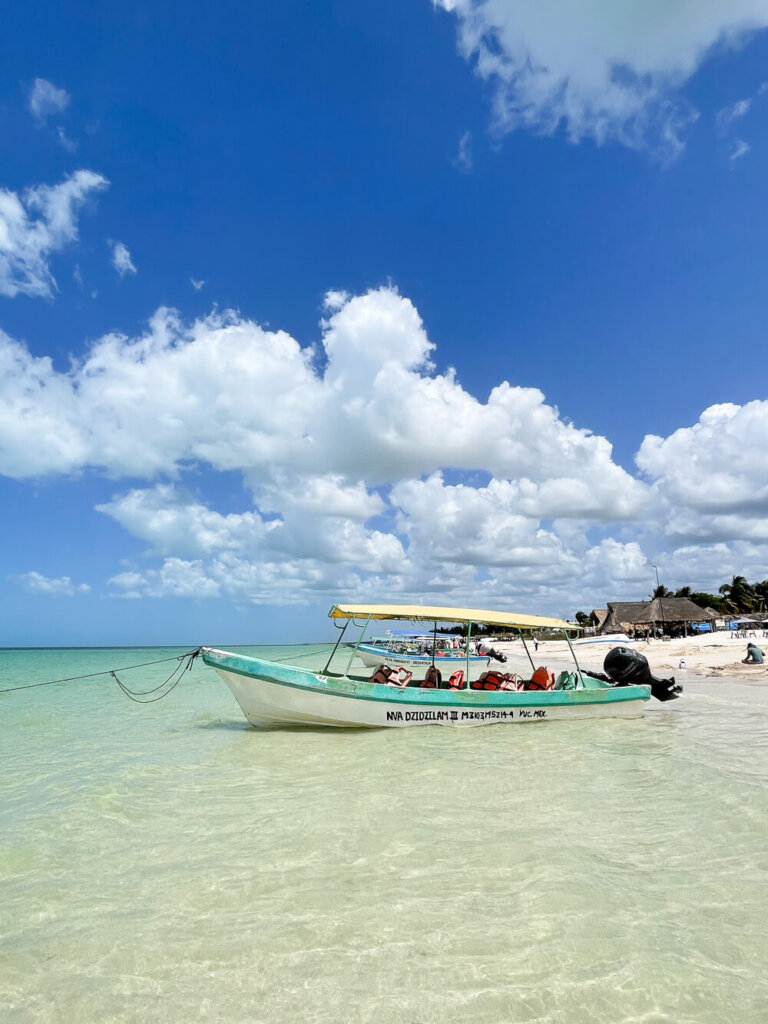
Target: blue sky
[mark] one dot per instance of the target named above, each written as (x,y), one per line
(459,302)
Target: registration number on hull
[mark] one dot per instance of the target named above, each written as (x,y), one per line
(467,715)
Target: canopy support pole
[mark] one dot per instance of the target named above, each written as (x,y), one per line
(469,634)
(575,661)
(359,641)
(525,645)
(336,645)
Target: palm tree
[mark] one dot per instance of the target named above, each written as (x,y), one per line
(739,595)
(683,592)
(661,591)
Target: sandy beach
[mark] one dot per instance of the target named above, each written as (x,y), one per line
(713,664)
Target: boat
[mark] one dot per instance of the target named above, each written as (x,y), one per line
(276,694)
(604,638)
(415,652)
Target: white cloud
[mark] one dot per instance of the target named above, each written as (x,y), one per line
(36,583)
(64,139)
(713,476)
(196,284)
(727,115)
(46,100)
(740,149)
(176,578)
(463,159)
(36,224)
(121,259)
(370,472)
(602,70)
(334,300)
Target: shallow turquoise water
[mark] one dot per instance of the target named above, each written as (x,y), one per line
(167,863)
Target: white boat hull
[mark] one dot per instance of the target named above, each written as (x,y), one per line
(280,695)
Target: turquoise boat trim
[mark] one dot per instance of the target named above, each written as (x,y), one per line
(305,679)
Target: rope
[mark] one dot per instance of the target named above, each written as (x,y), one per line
(180,669)
(322,649)
(192,655)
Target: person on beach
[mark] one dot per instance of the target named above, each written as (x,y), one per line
(754,655)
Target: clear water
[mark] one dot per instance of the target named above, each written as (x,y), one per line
(168,863)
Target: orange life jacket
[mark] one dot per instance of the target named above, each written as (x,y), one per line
(456,681)
(488,681)
(540,680)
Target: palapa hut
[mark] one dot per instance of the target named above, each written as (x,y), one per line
(628,616)
(597,617)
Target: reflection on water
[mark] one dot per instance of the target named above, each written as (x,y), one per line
(169,863)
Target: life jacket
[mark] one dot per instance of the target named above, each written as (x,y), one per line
(432,678)
(540,680)
(488,681)
(391,676)
(456,682)
(399,677)
(511,682)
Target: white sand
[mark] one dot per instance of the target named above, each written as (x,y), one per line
(713,662)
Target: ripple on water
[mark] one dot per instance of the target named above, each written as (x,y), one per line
(166,863)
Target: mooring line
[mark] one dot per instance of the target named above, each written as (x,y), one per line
(192,655)
(134,695)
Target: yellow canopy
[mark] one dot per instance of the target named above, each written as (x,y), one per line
(428,613)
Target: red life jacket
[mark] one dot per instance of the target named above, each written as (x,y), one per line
(488,681)
(456,682)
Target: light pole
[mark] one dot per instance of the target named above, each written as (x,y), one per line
(661,599)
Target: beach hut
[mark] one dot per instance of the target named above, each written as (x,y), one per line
(663,613)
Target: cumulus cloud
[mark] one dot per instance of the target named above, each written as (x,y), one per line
(36,224)
(46,99)
(602,70)
(36,583)
(713,476)
(175,578)
(121,259)
(367,471)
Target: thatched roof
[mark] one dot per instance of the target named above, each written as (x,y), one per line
(598,617)
(624,614)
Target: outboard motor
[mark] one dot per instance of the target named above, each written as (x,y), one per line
(496,655)
(630,668)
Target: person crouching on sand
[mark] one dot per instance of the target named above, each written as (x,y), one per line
(754,655)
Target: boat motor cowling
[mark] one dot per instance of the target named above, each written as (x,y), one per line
(630,668)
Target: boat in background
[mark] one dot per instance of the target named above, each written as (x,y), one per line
(620,639)
(276,694)
(415,652)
